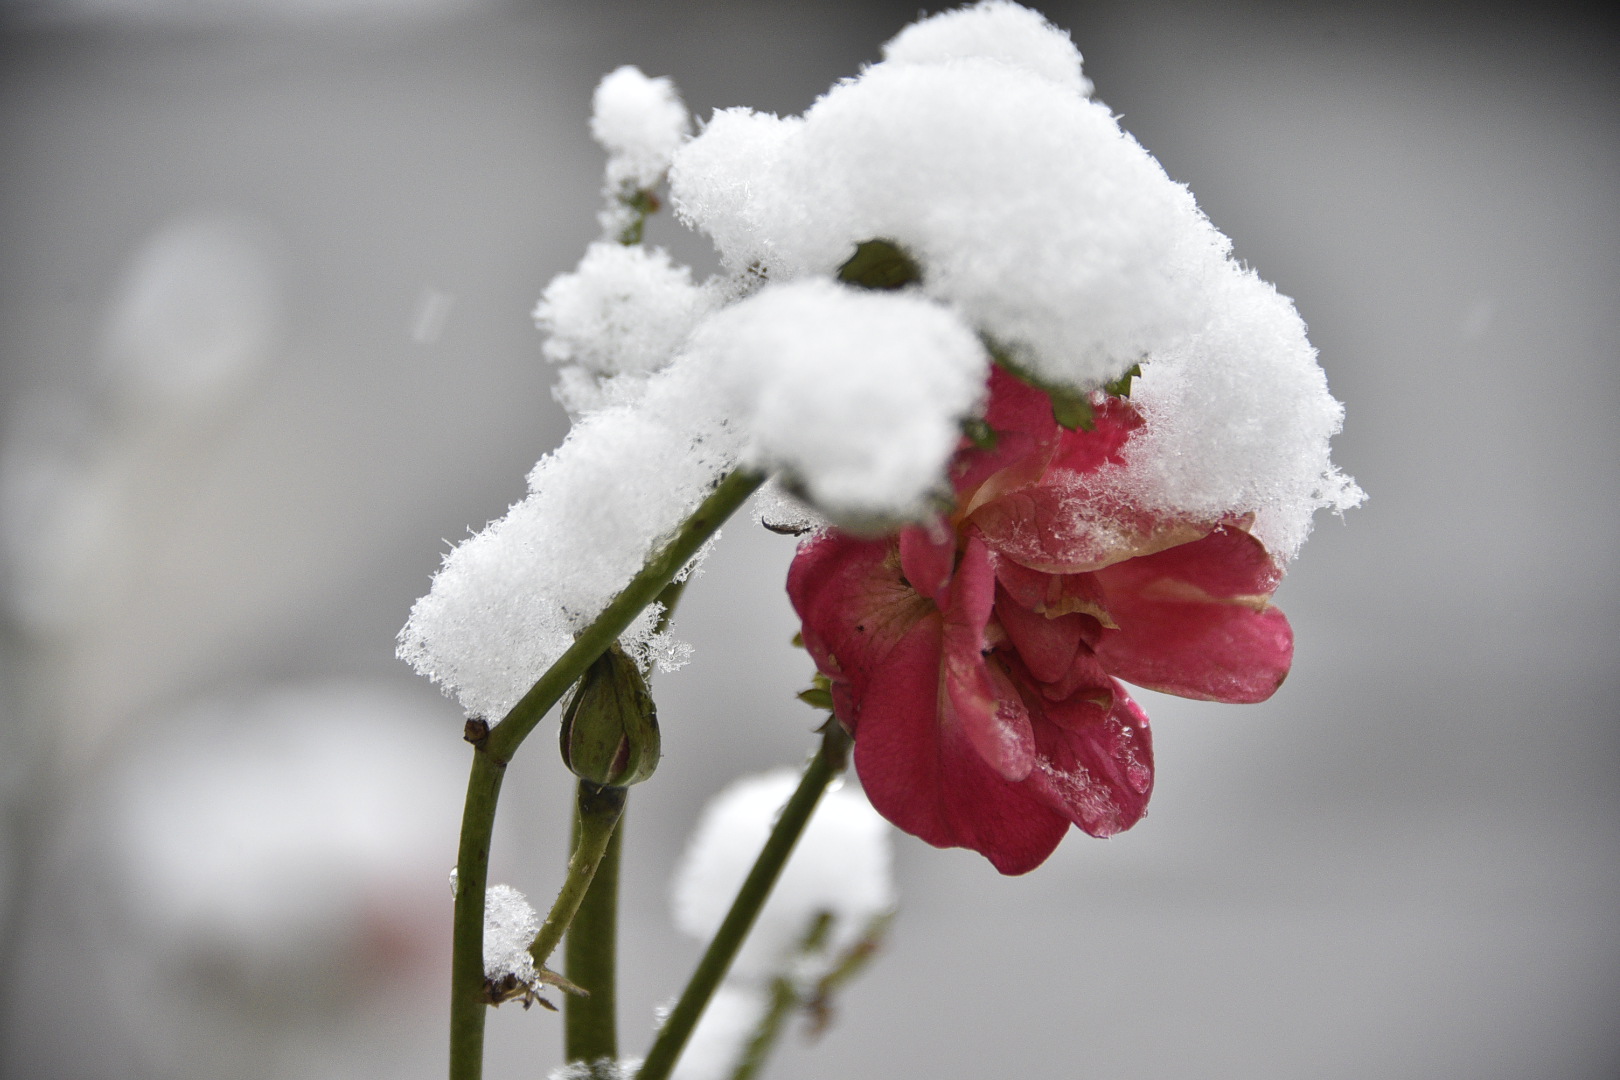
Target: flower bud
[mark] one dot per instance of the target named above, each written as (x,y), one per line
(609,727)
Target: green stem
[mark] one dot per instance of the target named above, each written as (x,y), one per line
(494,747)
(590,1024)
(828,762)
(596,813)
(468,1000)
(783,999)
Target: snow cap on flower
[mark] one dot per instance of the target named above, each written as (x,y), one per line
(993,30)
(719,182)
(1029,211)
(1238,421)
(510,924)
(857,395)
(841,865)
(639,121)
(624,311)
(509,601)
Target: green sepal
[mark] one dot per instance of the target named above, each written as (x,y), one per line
(880,264)
(979,433)
(816,698)
(819,696)
(1070,409)
(1121,387)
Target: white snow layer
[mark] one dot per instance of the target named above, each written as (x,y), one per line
(639,121)
(1238,421)
(1046,227)
(996,30)
(841,865)
(857,396)
(510,924)
(509,601)
(620,316)
(1038,226)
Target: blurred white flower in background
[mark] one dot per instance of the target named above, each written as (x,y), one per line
(268,877)
(196,315)
(840,870)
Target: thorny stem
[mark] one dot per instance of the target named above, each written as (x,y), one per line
(590,1024)
(828,762)
(494,747)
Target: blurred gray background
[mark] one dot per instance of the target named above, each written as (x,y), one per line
(230,811)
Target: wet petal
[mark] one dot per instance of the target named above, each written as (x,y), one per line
(928,557)
(920,771)
(1094,764)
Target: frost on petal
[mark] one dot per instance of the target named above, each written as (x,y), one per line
(857,395)
(508,601)
(510,925)
(841,865)
(992,30)
(623,312)
(639,121)
(1238,421)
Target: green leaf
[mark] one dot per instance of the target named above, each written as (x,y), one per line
(879,264)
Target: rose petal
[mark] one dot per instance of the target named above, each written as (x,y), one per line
(920,771)
(996,725)
(1197,621)
(928,557)
(854,608)
(1046,645)
(1094,765)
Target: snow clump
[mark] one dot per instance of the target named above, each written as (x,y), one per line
(509,601)
(639,121)
(617,318)
(997,30)
(856,396)
(1028,210)
(510,924)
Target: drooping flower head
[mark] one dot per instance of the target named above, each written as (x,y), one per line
(977,658)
